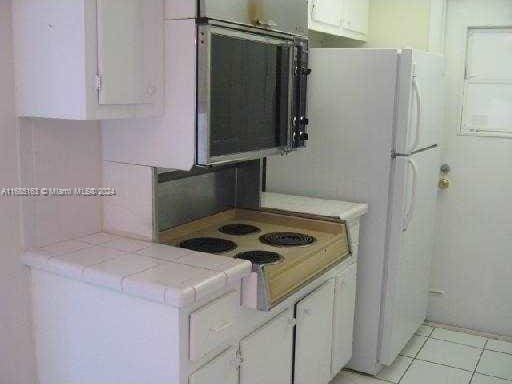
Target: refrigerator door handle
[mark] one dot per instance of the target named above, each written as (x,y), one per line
(419,111)
(412,205)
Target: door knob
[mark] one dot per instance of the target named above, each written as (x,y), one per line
(444,184)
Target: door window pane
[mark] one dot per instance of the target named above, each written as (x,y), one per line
(487,102)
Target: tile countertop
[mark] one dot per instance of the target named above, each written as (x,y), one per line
(156,272)
(162,273)
(330,208)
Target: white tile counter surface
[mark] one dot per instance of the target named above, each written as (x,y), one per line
(330,208)
(161,273)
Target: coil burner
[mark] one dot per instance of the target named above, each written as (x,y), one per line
(239,229)
(208,245)
(261,257)
(287,239)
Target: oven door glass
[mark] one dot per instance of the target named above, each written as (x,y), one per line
(249,97)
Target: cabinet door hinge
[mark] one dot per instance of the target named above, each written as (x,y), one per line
(99,82)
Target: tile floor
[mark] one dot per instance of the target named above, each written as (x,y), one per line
(440,356)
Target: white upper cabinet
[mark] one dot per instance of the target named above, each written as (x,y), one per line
(89,59)
(347,18)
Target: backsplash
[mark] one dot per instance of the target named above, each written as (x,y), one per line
(182,197)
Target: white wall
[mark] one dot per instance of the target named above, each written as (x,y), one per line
(399,23)
(473,260)
(46,153)
(61,154)
(16,347)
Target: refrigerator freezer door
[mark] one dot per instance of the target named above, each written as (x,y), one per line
(351,103)
(410,248)
(421,101)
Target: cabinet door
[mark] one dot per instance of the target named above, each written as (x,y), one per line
(355,17)
(313,343)
(223,369)
(130,42)
(326,12)
(267,354)
(344,308)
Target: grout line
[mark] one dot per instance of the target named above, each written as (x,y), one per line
(413,359)
(454,342)
(445,365)
(419,350)
(493,377)
(478,362)
(406,370)
(493,350)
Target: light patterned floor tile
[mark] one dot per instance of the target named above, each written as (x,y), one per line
(481,379)
(496,364)
(413,346)
(422,372)
(499,346)
(395,372)
(451,354)
(424,330)
(459,338)
(348,377)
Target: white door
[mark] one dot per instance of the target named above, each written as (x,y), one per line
(421,108)
(409,254)
(344,308)
(313,340)
(129,47)
(267,354)
(223,369)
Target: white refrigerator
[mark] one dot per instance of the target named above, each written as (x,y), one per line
(375,119)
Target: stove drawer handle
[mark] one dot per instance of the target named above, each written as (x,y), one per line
(221,327)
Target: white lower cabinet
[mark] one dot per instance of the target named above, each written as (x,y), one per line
(313,343)
(267,354)
(310,345)
(343,321)
(223,369)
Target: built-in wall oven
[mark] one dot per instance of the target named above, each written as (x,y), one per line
(252,87)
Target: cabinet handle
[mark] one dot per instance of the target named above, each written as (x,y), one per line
(292,323)
(221,327)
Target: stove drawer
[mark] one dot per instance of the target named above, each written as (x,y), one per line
(212,325)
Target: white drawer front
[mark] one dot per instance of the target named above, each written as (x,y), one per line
(223,369)
(212,325)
